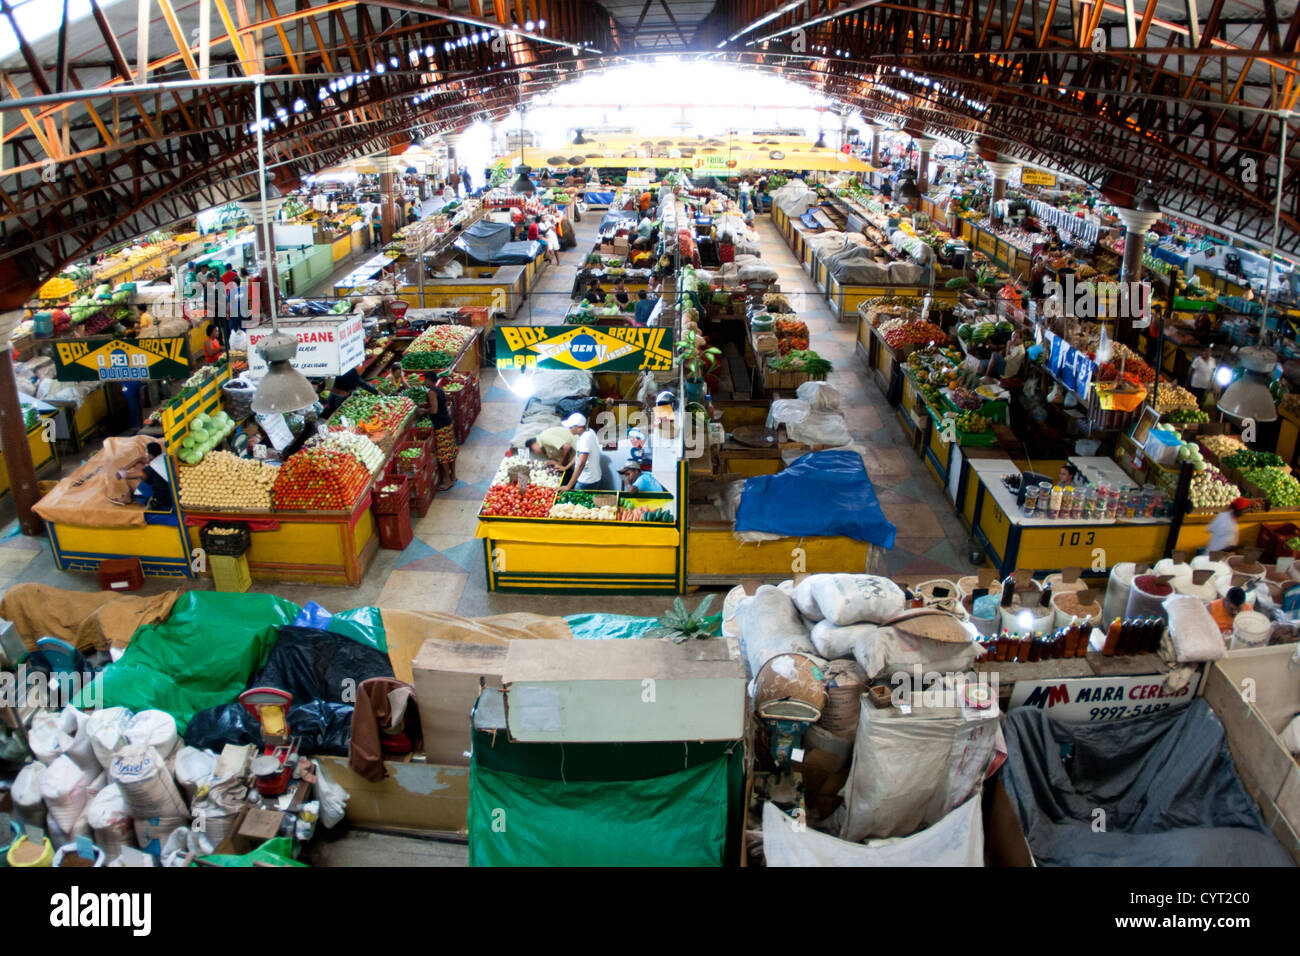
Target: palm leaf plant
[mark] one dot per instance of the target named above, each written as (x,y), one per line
(680,624)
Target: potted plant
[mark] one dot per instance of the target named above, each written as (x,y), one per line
(698,358)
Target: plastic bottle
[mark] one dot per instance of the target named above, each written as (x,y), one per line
(1054,503)
(1112,638)
(1071,638)
(1067,501)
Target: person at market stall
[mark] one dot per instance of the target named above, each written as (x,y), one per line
(644,201)
(1227,607)
(144,479)
(639,453)
(445,448)
(144,320)
(644,233)
(595,294)
(376,228)
(744,195)
(410,212)
(534,230)
(621,295)
(644,306)
(1202,375)
(1068,475)
(586,474)
(343,386)
(212,347)
(552,240)
(634,479)
(1053,239)
(554,443)
(1223,529)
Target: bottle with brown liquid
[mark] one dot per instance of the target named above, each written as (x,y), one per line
(1003,645)
(1112,638)
(1071,638)
(1008,591)
(1084,639)
(1045,599)
(1035,648)
(1155,634)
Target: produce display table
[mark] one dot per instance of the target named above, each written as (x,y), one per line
(499,288)
(1013,541)
(44,454)
(307,547)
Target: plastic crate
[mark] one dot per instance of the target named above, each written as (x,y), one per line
(392,502)
(410,466)
(120,574)
(422,495)
(395,532)
(232,544)
(230,573)
(1272,540)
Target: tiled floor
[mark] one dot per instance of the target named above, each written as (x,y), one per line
(443,569)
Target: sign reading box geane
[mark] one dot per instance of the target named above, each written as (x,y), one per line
(326,347)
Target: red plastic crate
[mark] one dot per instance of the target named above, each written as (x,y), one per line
(410,466)
(395,530)
(120,574)
(392,502)
(422,495)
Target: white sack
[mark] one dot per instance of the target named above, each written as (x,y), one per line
(193,769)
(769,625)
(911,770)
(29,805)
(1193,633)
(807,603)
(1291,736)
(146,785)
(63,787)
(956,840)
(106,729)
(153,728)
(857,598)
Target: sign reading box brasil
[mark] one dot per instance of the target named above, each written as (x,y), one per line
(117,360)
(325,348)
(584,347)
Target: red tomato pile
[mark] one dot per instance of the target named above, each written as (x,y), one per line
(506,501)
(900,332)
(442,338)
(320,479)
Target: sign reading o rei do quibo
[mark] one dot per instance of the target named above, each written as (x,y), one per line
(584,347)
(117,360)
(325,348)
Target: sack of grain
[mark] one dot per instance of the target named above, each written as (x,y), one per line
(105,728)
(856,598)
(769,625)
(63,787)
(110,820)
(146,785)
(29,805)
(153,728)
(193,769)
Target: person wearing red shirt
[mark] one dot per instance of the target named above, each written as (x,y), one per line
(532,231)
(230,275)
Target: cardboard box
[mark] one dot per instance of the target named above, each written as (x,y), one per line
(621,246)
(447,676)
(622,691)
(1255,693)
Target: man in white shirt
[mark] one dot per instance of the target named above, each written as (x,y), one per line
(1223,529)
(586,468)
(1202,374)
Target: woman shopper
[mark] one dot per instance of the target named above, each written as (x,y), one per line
(445,449)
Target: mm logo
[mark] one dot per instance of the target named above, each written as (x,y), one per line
(1046,696)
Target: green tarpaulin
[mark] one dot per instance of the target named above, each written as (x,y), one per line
(604,627)
(204,654)
(277,851)
(675,820)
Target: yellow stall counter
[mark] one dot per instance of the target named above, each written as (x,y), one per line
(715,556)
(43,455)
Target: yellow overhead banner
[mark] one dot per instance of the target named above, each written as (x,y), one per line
(1036,177)
(694,154)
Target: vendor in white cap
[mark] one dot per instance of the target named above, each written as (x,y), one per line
(586,472)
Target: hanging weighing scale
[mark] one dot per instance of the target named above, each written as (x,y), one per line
(274,768)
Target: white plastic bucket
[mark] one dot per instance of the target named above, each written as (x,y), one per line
(1250,629)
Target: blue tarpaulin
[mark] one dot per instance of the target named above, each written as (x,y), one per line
(599,198)
(518,253)
(823,493)
(604,627)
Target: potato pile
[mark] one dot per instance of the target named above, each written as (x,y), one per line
(223,480)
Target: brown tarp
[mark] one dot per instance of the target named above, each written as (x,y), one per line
(84,498)
(89,620)
(407,630)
